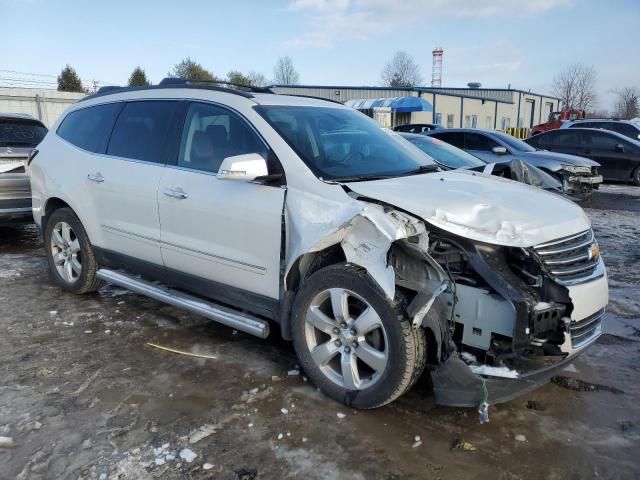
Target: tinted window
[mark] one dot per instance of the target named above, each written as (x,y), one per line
(141,131)
(17,132)
(625,129)
(563,138)
(446,154)
(476,141)
(212,134)
(340,143)
(586,125)
(454,138)
(600,141)
(90,128)
(513,143)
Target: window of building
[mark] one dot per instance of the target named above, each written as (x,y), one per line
(90,127)
(141,131)
(505,123)
(450,118)
(488,123)
(213,133)
(467,121)
(474,121)
(438,119)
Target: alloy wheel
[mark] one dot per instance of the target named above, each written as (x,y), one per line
(346,338)
(66,252)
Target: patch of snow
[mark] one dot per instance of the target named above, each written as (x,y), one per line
(542,306)
(493,371)
(203,432)
(468,357)
(6,442)
(520,438)
(207,466)
(340,415)
(188,455)
(284,411)
(294,372)
(280,436)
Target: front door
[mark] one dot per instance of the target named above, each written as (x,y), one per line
(224,232)
(603,148)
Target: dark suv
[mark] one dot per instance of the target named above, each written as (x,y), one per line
(627,128)
(19,135)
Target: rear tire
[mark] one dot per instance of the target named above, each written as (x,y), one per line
(353,343)
(636,177)
(72,263)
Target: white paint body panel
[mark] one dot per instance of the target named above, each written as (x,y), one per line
(487,209)
(226,231)
(588,298)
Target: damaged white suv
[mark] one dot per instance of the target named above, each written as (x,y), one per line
(252,208)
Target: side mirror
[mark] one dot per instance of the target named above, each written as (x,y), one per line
(619,148)
(244,168)
(499,150)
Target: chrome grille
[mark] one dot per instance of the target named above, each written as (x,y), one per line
(570,259)
(584,330)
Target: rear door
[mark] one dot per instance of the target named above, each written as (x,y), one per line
(225,232)
(562,141)
(123,184)
(603,147)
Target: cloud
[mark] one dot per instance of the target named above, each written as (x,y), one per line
(330,21)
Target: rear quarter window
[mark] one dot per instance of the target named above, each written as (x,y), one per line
(90,127)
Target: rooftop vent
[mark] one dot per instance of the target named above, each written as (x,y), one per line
(474,85)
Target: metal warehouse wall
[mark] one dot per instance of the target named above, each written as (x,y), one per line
(45,105)
(342,94)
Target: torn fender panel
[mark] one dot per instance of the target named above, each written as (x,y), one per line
(364,230)
(486,209)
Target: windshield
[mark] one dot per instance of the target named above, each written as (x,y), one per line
(514,143)
(444,153)
(342,144)
(20,133)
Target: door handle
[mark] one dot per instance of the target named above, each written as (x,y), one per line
(96,177)
(179,194)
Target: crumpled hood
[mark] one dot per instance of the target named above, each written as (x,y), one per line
(561,158)
(479,207)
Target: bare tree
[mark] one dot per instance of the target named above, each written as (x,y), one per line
(627,104)
(257,79)
(401,71)
(576,86)
(284,73)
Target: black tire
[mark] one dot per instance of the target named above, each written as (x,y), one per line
(86,281)
(635,178)
(405,346)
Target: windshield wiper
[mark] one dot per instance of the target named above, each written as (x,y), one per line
(424,169)
(361,178)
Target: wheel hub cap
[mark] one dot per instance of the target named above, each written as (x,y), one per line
(66,252)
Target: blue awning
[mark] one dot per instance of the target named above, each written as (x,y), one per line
(397,104)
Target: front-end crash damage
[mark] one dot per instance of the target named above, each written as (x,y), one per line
(499,319)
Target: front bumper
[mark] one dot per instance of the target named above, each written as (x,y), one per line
(581,183)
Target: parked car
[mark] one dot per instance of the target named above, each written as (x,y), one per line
(576,174)
(628,128)
(556,119)
(449,157)
(19,135)
(417,127)
(251,208)
(618,155)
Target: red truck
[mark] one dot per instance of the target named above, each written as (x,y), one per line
(556,119)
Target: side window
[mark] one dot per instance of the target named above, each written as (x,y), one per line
(564,138)
(475,141)
(453,138)
(90,127)
(141,131)
(600,141)
(213,133)
(625,129)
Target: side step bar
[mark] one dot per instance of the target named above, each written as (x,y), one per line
(227,316)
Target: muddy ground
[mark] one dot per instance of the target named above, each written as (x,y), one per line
(83,395)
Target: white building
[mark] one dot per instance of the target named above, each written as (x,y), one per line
(45,105)
(492,108)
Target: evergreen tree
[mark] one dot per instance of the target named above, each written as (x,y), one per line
(69,81)
(138,78)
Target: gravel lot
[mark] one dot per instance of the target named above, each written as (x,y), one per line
(84,395)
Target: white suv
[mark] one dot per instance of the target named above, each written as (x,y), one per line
(252,208)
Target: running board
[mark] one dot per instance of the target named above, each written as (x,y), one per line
(227,316)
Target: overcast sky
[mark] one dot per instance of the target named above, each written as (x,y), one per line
(339,42)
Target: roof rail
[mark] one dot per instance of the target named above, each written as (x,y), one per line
(180,83)
(183,81)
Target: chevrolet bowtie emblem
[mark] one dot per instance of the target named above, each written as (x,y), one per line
(594,251)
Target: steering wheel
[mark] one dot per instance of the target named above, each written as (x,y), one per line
(348,157)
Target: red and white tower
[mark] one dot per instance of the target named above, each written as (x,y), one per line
(436,75)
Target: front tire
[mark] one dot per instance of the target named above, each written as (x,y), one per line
(353,343)
(636,177)
(72,263)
